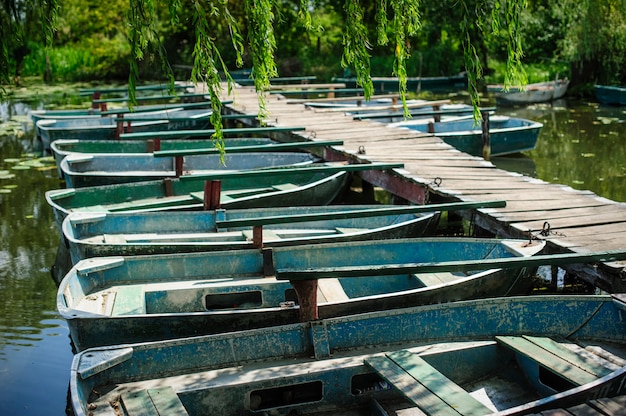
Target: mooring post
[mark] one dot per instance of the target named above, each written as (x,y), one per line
(306,291)
(486,136)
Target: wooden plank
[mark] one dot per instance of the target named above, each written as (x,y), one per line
(547,359)
(433,380)
(167,402)
(138,403)
(450,266)
(248,149)
(548,344)
(360,213)
(415,392)
(289,171)
(129,300)
(332,291)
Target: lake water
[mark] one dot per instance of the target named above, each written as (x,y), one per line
(581,145)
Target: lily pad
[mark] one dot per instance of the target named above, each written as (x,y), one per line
(5,191)
(12,186)
(11,160)
(7,175)
(588,155)
(20,167)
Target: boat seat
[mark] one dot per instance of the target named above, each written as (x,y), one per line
(424,386)
(330,290)
(267,235)
(147,203)
(432,279)
(129,300)
(114,239)
(162,401)
(344,230)
(556,358)
(285,186)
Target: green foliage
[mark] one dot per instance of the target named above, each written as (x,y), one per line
(596,40)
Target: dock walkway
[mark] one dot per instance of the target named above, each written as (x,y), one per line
(570,220)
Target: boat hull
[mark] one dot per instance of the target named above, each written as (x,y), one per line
(611,95)
(507,135)
(541,92)
(106,128)
(297,189)
(63,148)
(324,366)
(107,169)
(118,234)
(199,293)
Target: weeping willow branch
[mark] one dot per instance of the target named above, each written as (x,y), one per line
(355,46)
(207,59)
(142,35)
(406,23)
(262,46)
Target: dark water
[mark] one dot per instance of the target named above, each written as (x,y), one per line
(581,145)
(35,354)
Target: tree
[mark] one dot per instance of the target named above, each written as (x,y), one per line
(395,22)
(21,22)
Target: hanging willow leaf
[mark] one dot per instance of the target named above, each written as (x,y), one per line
(262,47)
(356,45)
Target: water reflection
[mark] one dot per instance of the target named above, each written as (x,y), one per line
(581,145)
(35,352)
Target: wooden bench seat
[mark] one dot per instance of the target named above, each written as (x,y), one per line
(330,290)
(129,300)
(432,279)
(161,401)
(424,386)
(556,358)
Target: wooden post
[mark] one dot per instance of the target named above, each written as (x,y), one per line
(486,136)
(212,193)
(94,97)
(178,165)
(431,127)
(119,129)
(306,291)
(257,236)
(437,117)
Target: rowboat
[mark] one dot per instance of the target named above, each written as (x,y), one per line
(117,234)
(611,95)
(540,92)
(417,84)
(65,114)
(61,148)
(106,169)
(108,300)
(508,135)
(505,356)
(108,128)
(310,185)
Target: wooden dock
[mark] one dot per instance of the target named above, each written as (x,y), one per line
(569,220)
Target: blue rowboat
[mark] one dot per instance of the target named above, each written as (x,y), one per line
(105,169)
(611,95)
(508,135)
(307,185)
(37,115)
(505,356)
(62,148)
(108,128)
(108,300)
(122,234)
(392,84)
